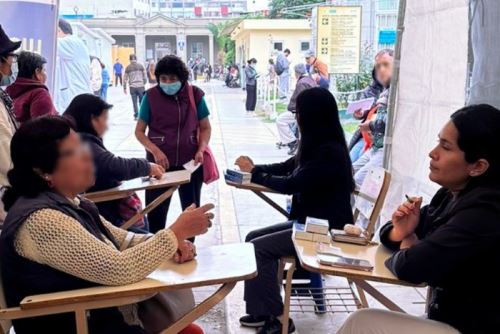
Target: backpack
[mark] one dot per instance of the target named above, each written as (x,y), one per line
(278,68)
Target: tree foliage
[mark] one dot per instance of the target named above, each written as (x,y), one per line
(223,40)
(277,7)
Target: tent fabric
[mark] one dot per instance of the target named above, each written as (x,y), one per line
(432,81)
(485,79)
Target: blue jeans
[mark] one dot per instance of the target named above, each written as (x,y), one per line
(357,150)
(104,92)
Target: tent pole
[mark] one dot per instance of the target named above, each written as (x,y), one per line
(391,112)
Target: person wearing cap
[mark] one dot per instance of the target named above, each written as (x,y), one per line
(318,69)
(136,78)
(287,122)
(8,124)
(72,67)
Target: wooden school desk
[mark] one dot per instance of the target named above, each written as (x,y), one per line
(170,181)
(223,264)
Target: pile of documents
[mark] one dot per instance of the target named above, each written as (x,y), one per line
(314,230)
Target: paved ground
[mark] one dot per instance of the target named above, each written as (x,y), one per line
(238,211)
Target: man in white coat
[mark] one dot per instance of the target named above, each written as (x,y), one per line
(72,67)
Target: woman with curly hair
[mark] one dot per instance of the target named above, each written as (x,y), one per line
(175,115)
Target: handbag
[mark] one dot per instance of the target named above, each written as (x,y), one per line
(163,309)
(210,169)
(129,207)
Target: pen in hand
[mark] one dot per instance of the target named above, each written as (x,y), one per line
(409,199)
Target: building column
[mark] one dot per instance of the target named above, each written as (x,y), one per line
(211,50)
(181,46)
(140,47)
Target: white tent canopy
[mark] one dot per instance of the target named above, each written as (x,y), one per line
(432,81)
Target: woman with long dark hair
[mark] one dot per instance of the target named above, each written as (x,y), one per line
(451,244)
(320,180)
(54,240)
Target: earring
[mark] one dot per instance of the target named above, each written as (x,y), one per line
(47,178)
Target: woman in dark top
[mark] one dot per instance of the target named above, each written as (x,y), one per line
(451,244)
(89,115)
(320,180)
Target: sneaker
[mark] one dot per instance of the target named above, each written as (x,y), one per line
(253,321)
(273,326)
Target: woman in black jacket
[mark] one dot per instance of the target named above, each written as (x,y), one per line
(320,180)
(89,115)
(451,244)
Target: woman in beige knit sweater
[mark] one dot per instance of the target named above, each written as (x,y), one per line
(53,240)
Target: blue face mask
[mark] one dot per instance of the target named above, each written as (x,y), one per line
(171,88)
(7,80)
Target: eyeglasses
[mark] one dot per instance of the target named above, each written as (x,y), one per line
(14,57)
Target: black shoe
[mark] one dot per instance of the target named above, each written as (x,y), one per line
(253,321)
(293,148)
(273,326)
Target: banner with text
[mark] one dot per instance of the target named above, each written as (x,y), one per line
(34,22)
(338,38)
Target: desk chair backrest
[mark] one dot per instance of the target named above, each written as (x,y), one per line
(5,325)
(370,198)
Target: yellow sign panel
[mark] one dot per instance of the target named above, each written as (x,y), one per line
(339,38)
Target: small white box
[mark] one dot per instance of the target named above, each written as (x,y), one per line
(300,233)
(318,226)
(324,239)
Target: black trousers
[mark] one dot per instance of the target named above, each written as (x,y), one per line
(118,77)
(189,193)
(262,293)
(136,93)
(251,97)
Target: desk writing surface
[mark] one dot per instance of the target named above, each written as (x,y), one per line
(251,186)
(168,179)
(213,265)
(375,254)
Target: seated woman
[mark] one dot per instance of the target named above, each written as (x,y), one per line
(320,180)
(89,116)
(29,92)
(451,244)
(52,240)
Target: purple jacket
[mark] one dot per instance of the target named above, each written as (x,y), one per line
(173,124)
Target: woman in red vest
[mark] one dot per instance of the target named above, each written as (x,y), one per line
(175,116)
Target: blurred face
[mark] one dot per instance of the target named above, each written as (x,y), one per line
(383,68)
(310,60)
(60,33)
(168,78)
(6,64)
(448,166)
(100,123)
(41,74)
(74,172)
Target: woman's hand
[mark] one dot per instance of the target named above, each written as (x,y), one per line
(186,252)
(405,219)
(192,222)
(160,158)
(245,164)
(365,126)
(156,171)
(198,157)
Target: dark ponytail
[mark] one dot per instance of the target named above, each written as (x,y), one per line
(478,128)
(34,152)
